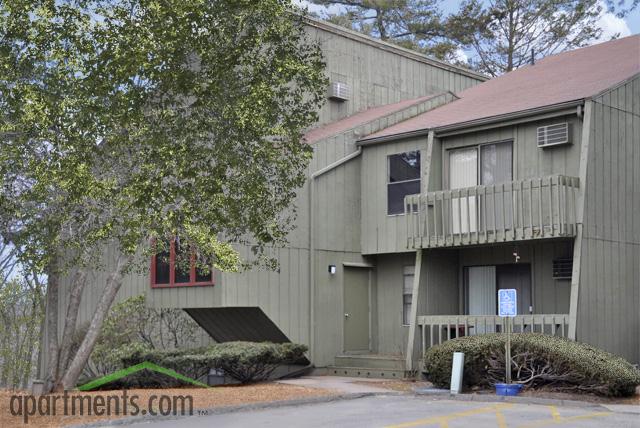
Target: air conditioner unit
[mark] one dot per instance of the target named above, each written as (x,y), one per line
(339,91)
(554,135)
(563,268)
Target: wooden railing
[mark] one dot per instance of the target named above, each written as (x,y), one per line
(532,208)
(436,329)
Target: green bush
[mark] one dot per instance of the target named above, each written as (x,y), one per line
(243,361)
(537,360)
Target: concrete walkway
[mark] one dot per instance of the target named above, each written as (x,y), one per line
(343,385)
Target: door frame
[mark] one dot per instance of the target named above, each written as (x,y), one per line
(464,301)
(369,269)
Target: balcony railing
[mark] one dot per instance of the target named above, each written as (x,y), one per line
(519,210)
(436,329)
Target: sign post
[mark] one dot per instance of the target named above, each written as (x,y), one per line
(507,308)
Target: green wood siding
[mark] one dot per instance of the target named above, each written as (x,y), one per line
(609,299)
(387,234)
(377,74)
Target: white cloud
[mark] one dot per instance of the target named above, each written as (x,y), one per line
(317,8)
(612,25)
(460,55)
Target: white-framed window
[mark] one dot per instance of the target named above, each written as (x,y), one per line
(403,179)
(407,293)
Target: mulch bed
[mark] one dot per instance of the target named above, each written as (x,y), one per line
(222,396)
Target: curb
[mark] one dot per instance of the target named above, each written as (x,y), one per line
(510,399)
(232,409)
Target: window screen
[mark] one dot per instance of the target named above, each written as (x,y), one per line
(403,180)
(407,293)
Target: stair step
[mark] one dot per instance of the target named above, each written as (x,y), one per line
(377,373)
(371,361)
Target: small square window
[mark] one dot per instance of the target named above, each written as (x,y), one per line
(403,180)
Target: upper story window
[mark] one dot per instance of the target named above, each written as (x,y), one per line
(169,269)
(403,179)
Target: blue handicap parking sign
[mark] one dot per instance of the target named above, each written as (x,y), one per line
(507,303)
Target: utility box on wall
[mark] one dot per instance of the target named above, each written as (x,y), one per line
(339,91)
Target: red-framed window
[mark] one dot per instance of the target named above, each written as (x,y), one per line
(166,272)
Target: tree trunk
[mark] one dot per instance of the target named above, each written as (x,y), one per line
(51,311)
(114,282)
(75,297)
(381,25)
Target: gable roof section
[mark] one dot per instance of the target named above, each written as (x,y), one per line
(360,118)
(381,44)
(556,79)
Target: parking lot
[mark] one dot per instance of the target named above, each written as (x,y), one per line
(400,411)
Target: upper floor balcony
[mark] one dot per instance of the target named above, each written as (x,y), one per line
(520,210)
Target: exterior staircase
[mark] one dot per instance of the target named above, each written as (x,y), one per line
(368,365)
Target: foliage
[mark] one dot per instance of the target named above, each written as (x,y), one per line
(503,33)
(243,361)
(21,315)
(131,325)
(622,8)
(537,361)
(414,24)
(125,121)
(116,128)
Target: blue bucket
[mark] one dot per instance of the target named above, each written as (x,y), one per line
(508,388)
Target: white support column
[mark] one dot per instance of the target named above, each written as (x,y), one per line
(414,311)
(577,243)
(424,188)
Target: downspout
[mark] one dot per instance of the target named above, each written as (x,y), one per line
(312,244)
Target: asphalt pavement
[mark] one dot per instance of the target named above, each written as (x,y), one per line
(399,411)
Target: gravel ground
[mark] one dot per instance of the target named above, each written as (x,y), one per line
(202,399)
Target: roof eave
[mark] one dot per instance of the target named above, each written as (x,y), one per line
(448,129)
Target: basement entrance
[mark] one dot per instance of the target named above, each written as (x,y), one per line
(356,309)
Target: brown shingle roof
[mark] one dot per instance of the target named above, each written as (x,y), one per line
(361,118)
(560,78)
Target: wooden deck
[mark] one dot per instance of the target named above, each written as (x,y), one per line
(534,208)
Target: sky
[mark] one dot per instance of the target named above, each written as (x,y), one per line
(610,23)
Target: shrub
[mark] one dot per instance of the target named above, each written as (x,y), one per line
(131,325)
(243,361)
(537,360)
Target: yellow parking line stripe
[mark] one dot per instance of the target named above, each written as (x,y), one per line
(555,414)
(502,423)
(561,420)
(443,420)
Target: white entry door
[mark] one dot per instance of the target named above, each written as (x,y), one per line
(463,172)
(481,294)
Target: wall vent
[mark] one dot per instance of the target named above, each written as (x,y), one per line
(339,91)
(563,268)
(554,135)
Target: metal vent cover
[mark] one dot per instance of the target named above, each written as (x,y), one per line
(563,268)
(554,135)
(339,91)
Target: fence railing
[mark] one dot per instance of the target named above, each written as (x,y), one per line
(435,329)
(533,208)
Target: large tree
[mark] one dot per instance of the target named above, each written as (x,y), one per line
(415,24)
(130,122)
(504,34)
